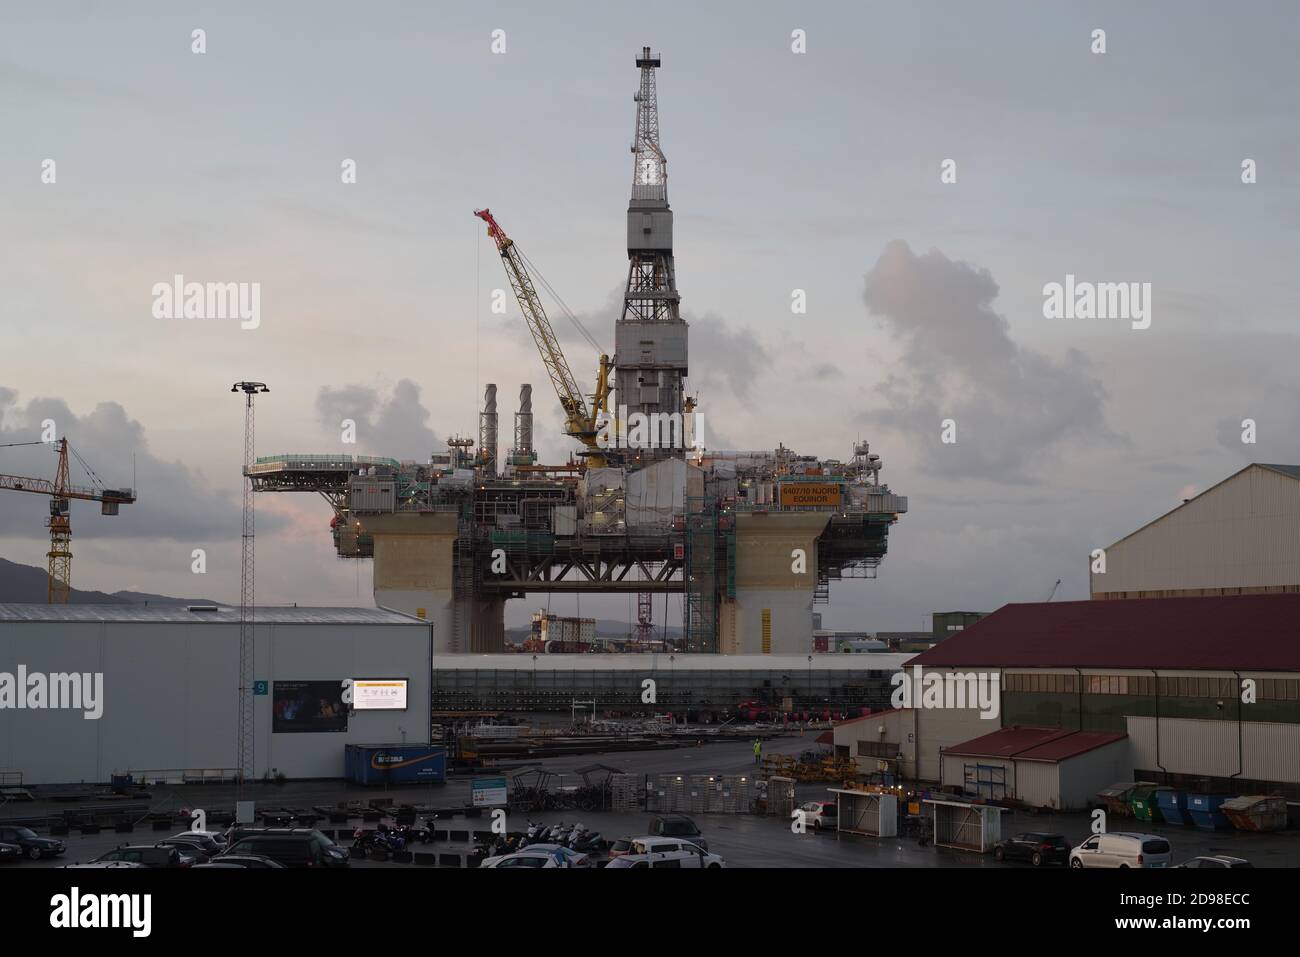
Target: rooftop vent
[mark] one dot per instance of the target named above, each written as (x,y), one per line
(202,608)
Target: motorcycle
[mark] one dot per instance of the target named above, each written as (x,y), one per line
(496,845)
(378,844)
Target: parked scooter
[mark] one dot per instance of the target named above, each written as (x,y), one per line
(534,833)
(574,834)
(496,845)
(588,842)
(552,834)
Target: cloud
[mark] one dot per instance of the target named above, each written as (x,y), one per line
(725,357)
(173,502)
(825,371)
(395,426)
(1275,431)
(1012,405)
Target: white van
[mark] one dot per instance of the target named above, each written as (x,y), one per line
(1122,849)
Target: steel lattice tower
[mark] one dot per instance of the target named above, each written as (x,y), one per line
(59,590)
(246,605)
(650,337)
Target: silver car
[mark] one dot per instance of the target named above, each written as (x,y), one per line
(575,858)
(536,859)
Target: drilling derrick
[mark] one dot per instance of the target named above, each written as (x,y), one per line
(650,336)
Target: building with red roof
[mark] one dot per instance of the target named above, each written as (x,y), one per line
(1197,692)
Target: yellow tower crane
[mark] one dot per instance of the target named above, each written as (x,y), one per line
(61,492)
(579,421)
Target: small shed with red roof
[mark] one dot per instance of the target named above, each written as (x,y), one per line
(1042,767)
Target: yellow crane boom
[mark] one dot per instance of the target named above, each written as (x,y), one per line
(579,420)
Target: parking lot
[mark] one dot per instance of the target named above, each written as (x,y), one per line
(743,840)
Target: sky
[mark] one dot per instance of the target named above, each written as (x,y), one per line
(818,171)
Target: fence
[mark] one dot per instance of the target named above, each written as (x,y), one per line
(684,793)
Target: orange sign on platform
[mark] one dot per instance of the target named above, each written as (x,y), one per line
(820,494)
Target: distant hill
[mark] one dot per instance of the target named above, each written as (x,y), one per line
(27,583)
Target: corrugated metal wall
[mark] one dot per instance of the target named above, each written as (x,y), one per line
(1269,752)
(1038,783)
(170,701)
(1244,533)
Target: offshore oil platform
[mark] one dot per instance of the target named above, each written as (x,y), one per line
(750,540)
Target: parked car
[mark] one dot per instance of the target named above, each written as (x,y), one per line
(575,858)
(1122,849)
(1036,847)
(677,825)
(32,845)
(620,847)
(252,861)
(820,815)
(628,860)
(527,858)
(291,846)
(147,855)
(102,864)
(671,852)
(195,845)
(1216,860)
(217,837)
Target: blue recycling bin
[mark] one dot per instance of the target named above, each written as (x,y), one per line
(1204,809)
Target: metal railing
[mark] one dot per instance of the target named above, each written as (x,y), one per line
(147,776)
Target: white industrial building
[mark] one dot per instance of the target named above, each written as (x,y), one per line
(1241,536)
(1042,767)
(170,678)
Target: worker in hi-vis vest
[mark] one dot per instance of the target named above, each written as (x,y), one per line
(758,751)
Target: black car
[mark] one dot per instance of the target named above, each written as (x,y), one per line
(147,855)
(32,845)
(10,852)
(1035,847)
(249,861)
(677,825)
(290,846)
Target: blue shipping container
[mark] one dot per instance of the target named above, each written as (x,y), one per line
(1204,809)
(372,764)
